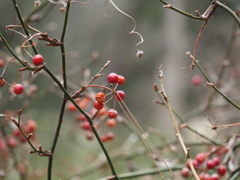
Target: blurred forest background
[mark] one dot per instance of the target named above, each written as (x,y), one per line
(97,27)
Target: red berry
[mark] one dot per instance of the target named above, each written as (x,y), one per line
(111,122)
(11,141)
(110,136)
(217,160)
(222,170)
(17,132)
(121,80)
(71,107)
(98,105)
(31,126)
(112,78)
(197,80)
(85,125)
(215,176)
(18,89)
(37,60)
(1,63)
(200,157)
(89,135)
(120,95)
(2,82)
(185,172)
(194,162)
(201,176)
(104,138)
(100,97)
(210,164)
(112,113)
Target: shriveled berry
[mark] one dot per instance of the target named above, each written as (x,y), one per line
(112,113)
(2,82)
(210,164)
(111,122)
(112,78)
(18,89)
(121,80)
(200,157)
(100,97)
(222,170)
(98,105)
(185,172)
(37,60)
(120,95)
(196,80)
(89,135)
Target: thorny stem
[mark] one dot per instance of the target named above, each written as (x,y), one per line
(169,6)
(178,134)
(23,25)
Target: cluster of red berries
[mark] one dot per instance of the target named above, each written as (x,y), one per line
(95,106)
(208,167)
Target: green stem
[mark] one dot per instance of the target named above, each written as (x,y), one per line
(11,51)
(145,172)
(180,11)
(24,25)
(87,117)
(231,12)
(214,87)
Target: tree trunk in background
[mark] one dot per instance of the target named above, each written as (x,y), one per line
(176,44)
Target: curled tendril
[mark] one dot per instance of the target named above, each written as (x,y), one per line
(139,52)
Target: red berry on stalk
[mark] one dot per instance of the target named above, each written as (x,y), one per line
(31,126)
(98,105)
(1,63)
(112,113)
(210,164)
(112,78)
(185,172)
(100,97)
(85,125)
(18,89)
(111,122)
(37,60)
(120,95)
(200,157)
(197,80)
(121,80)
(222,170)
(2,82)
